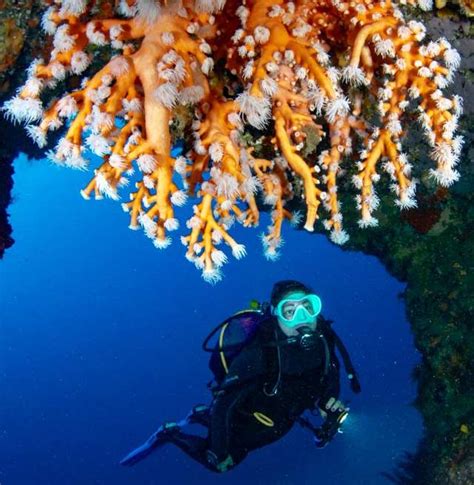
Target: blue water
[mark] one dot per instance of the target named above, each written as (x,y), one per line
(100,342)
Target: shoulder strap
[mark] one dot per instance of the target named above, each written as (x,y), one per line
(346,359)
(327,356)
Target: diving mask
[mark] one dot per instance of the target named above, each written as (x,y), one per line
(298,308)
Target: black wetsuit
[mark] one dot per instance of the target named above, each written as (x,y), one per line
(265,393)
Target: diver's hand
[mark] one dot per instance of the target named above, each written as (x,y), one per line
(333,406)
(334,412)
(220,465)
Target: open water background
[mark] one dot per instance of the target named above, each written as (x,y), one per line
(100,342)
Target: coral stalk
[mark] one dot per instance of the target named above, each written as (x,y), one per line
(284,115)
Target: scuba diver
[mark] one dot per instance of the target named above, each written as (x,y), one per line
(271,365)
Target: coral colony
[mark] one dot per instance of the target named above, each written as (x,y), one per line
(294,68)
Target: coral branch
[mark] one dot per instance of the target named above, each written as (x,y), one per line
(284,116)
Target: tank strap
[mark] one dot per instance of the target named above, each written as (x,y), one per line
(205,345)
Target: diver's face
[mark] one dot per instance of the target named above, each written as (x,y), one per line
(295,303)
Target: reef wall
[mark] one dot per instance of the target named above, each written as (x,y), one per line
(432,249)
(19,43)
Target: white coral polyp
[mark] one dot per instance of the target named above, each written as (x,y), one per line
(171,224)
(261,34)
(354,75)
(146,163)
(67,107)
(425,5)
(216,151)
(117,161)
(239,251)
(339,237)
(179,198)
(32,87)
(148,224)
(98,145)
(207,66)
(37,135)
(167,95)
(445,176)
(256,109)
(162,243)
(47,24)
(73,7)
(26,110)
(79,62)
(212,275)
(339,106)
(63,41)
(105,187)
(368,221)
(218,258)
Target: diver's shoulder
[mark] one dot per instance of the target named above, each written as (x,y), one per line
(322,320)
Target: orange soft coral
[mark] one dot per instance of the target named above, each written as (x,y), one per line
(312,56)
(309,66)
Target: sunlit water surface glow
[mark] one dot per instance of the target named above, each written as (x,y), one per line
(100,343)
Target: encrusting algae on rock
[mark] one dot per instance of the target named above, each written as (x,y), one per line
(295,68)
(467,6)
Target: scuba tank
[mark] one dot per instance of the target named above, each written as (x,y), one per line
(233,334)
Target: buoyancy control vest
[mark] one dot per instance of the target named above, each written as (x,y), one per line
(239,330)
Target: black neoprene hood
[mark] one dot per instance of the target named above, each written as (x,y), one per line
(282,288)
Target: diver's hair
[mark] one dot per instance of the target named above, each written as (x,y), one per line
(282,288)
